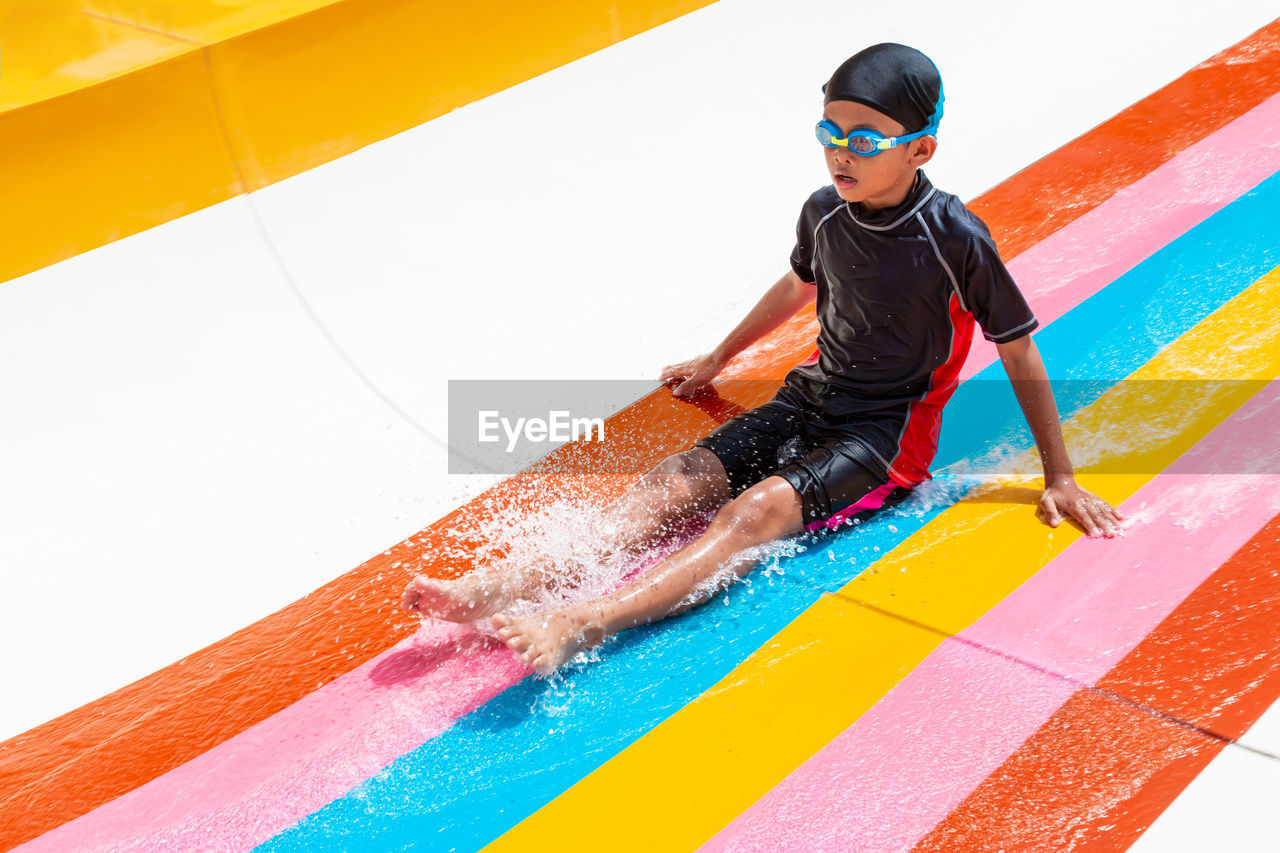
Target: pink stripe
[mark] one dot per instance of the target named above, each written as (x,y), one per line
(261,782)
(1079,260)
(874,499)
(909,761)
(906,762)
(1086,610)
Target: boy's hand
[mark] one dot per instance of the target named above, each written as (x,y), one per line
(693,375)
(1064,496)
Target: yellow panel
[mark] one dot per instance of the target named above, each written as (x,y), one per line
(821,672)
(113,127)
(51,48)
(107,161)
(326,83)
(205,21)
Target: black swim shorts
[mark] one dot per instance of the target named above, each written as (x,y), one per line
(827,464)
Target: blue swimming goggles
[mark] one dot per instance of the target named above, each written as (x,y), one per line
(864,143)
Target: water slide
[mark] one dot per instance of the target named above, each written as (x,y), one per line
(249,244)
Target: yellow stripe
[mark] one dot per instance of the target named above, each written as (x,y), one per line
(109,126)
(686,779)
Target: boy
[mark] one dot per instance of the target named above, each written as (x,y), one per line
(901,273)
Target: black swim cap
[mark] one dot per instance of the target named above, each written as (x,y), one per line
(897,80)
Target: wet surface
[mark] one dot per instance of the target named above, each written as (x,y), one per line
(1095,772)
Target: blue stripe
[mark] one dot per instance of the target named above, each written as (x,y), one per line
(505,760)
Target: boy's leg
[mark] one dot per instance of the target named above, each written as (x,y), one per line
(680,486)
(834,480)
(767,511)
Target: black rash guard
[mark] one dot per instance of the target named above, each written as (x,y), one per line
(899,290)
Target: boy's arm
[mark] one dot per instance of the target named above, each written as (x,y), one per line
(784,299)
(1061,493)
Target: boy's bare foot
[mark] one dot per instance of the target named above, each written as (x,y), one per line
(470,597)
(544,641)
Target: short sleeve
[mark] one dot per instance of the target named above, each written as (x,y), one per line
(990,293)
(802,254)
(816,208)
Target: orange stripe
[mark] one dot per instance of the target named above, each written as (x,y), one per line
(1101,770)
(1226,670)
(82,759)
(1066,784)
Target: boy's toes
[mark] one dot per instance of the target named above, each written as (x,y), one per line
(541,665)
(409,599)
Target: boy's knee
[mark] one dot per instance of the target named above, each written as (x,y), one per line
(690,471)
(771,506)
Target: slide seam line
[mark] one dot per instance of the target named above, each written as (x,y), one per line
(310,312)
(1043,670)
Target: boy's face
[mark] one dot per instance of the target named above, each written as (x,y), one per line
(884,179)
